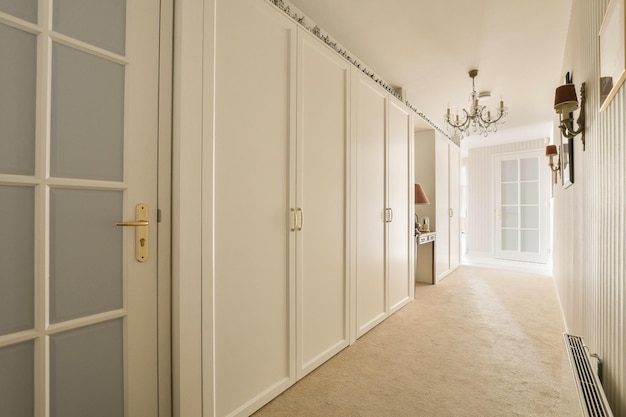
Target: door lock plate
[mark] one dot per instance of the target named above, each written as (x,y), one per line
(141,231)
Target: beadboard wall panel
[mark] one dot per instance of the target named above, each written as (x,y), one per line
(590,216)
(480,205)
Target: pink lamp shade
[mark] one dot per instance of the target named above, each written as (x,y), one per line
(420,195)
(565,100)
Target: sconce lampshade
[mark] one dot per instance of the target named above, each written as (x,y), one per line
(420,195)
(551,150)
(565,100)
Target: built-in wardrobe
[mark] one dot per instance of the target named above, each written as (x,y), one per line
(306,195)
(437,166)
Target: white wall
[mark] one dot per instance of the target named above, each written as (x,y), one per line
(590,216)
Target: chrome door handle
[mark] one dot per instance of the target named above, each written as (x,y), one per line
(293,219)
(141,231)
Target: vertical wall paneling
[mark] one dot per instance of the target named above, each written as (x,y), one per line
(590,228)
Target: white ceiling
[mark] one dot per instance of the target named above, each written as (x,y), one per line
(428,46)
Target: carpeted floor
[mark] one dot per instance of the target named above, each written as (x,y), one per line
(482,342)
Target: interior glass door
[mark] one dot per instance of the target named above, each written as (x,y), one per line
(79,86)
(521,208)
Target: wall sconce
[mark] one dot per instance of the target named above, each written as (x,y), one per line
(551,152)
(565,102)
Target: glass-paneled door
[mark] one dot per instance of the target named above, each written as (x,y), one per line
(522,211)
(78,152)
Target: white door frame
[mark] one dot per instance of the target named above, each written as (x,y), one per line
(164,201)
(192,207)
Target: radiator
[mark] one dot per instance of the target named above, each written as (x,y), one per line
(590,393)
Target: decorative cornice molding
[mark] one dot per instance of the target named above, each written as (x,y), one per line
(317,32)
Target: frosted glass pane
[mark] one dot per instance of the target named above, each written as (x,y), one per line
(530,241)
(509,217)
(85,253)
(24,9)
(17,255)
(17,101)
(87,124)
(17,380)
(530,217)
(529,169)
(508,170)
(86,372)
(509,239)
(530,193)
(97,22)
(509,193)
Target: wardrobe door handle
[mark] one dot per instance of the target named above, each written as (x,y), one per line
(301,218)
(293,219)
(388,215)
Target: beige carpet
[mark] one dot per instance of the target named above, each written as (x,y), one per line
(482,342)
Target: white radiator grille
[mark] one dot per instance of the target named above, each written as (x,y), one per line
(592,399)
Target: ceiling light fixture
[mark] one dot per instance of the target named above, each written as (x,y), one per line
(477,120)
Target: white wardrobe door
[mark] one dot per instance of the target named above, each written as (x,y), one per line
(322,304)
(400,228)
(369,129)
(254,273)
(442,214)
(455,208)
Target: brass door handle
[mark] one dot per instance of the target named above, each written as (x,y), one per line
(293,219)
(301,219)
(135,223)
(141,231)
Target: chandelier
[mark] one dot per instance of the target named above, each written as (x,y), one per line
(478,119)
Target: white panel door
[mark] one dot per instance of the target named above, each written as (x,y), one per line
(369,129)
(399,234)
(254,183)
(522,213)
(322,288)
(79,129)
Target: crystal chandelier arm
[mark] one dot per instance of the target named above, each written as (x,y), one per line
(501,113)
(461,125)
